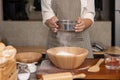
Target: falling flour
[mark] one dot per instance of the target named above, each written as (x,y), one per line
(64,38)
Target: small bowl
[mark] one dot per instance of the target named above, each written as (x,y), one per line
(23,76)
(32,67)
(67,57)
(28,57)
(112,61)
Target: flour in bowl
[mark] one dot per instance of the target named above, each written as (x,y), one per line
(63,53)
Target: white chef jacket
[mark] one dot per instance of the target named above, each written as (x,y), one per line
(87,9)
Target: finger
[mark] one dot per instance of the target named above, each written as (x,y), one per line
(79,20)
(80,26)
(54,29)
(79,30)
(53,25)
(54,21)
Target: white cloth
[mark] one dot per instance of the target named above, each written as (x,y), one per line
(87,9)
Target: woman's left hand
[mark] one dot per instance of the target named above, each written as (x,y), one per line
(80,26)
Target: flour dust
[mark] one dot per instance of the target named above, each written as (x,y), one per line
(64,38)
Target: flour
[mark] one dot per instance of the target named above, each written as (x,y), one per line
(64,38)
(63,53)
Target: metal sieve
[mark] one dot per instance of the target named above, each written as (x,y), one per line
(66,25)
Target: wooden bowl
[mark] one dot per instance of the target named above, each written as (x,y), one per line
(28,57)
(67,57)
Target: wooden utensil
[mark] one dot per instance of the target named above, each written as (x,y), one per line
(62,76)
(96,67)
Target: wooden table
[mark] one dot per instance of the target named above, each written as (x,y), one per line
(102,74)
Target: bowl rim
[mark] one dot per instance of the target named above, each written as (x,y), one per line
(66,21)
(86,51)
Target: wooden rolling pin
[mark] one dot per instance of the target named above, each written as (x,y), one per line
(62,76)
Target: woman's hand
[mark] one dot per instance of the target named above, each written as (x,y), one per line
(82,24)
(51,23)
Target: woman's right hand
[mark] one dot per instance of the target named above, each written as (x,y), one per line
(51,23)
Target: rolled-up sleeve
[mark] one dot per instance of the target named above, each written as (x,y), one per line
(88,9)
(47,12)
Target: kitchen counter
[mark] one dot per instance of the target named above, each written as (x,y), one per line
(102,74)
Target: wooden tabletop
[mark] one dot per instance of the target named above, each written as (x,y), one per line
(102,74)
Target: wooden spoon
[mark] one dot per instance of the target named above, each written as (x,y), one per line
(96,68)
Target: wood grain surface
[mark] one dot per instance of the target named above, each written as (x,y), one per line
(102,74)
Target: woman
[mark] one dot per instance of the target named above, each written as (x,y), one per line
(80,10)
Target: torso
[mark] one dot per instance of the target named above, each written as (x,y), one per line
(69,11)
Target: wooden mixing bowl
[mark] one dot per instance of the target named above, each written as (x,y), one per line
(67,57)
(28,57)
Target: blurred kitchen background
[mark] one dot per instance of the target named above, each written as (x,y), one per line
(21,23)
